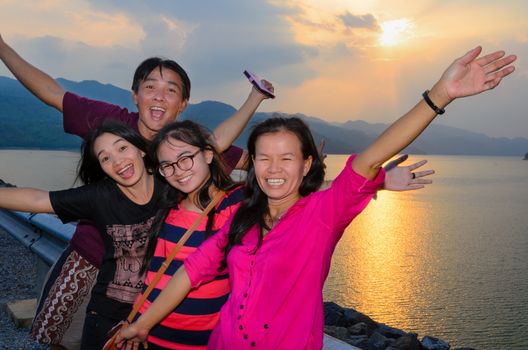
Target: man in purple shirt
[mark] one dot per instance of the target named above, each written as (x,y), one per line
(161,91)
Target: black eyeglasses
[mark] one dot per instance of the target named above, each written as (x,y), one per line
(183,163)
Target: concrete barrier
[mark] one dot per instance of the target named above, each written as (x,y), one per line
(330,343)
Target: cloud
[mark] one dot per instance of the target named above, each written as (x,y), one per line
(367,21)
(214,41)
(79,61)
(323,59)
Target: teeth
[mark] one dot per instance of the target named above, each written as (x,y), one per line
(124,169)
(155,108)
(275,181)
(185,179)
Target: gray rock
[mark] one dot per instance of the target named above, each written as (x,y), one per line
(359,328)
(377,342)
(359,341)
(337,332)
(432,343)
(334,315)
(389,332)
(408,341)
(352,317)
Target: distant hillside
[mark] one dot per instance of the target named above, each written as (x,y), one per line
(441,139)
(97,91)
(28,123)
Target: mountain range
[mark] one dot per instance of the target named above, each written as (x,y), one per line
(29,123)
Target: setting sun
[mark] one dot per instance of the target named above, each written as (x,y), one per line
(396,31)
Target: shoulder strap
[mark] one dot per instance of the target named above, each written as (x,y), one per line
(172,254)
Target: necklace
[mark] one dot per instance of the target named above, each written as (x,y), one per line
(274,220)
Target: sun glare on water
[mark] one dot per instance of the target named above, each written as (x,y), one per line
(395,32)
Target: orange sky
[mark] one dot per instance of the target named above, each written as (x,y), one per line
(336,60)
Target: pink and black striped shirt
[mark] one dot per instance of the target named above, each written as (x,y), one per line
(190,324)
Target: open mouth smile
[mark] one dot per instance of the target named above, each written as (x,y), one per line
(275,182)
(157,112)
(184,180)
(126,172)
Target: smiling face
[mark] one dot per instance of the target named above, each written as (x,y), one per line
(120,160)
(159,100)
(279,166)
(188,181)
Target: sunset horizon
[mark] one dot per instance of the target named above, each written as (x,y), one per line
(336,60)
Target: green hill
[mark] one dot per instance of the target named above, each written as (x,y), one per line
(28,123)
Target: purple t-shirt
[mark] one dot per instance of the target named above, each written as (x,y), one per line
(80,116)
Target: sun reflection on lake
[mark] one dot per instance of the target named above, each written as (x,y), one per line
(447,260)
(389,247)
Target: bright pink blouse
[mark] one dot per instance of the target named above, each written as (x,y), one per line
(276,297)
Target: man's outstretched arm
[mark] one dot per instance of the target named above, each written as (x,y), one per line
(39,83)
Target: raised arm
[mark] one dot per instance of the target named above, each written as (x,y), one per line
(39,83)
(466,76)
(31,200)
(228,131)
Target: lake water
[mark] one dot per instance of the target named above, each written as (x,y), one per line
(450,260)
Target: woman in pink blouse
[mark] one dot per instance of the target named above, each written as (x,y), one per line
(278,246)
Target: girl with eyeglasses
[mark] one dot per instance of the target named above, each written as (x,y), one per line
(195,171)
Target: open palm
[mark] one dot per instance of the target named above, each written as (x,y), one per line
(469,75)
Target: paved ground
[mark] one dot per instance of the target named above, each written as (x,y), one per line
(18,274)
(336,344)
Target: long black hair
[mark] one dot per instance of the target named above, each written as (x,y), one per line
(89,170)
(255,208)
(193,134)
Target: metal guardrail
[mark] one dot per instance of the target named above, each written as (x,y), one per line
(43,234)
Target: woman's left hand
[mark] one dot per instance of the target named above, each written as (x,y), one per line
(402,178)
(131,336)
(471,75)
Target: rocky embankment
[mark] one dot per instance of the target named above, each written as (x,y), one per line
(363,332)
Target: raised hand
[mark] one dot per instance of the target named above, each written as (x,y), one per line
(267,85)
(402,178)
(471,75)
